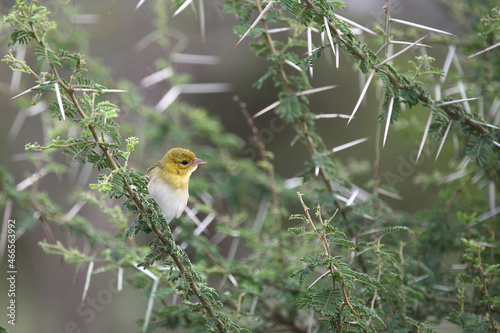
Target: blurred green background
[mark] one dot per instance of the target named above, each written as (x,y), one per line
(49,291)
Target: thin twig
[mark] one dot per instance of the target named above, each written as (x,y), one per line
(261,147)
(326,249)
(485,291)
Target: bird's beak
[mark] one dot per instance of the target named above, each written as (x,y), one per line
(198,161)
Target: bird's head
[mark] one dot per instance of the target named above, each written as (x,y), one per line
(181,161)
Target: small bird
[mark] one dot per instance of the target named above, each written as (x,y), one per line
(168,180)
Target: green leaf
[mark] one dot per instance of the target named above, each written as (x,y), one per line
(241,29)
(367,313)
(480,149)
(117,189)
(464,279)
(410,320)
(289,107)
(69,110)
(21,36)
(298,217)
(87,83)
(409,97)
(303,13)
(297,231)
(312,259)
(491,269)
(98,161)
(390,230)
(343,242)
(471,244)
(107,109)
(71,255)
(45,54)
(327,302)
(270,72)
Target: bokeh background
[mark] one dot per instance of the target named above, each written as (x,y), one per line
(49,291)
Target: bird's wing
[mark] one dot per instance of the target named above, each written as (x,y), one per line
(150,169)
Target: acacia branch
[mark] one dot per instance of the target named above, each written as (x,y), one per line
(180,265)
(452,114)
(485,292)
(135,197)
(302,123)
(326,248)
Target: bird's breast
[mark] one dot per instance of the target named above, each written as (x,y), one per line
(172,200)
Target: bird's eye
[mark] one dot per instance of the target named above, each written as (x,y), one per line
(184,162)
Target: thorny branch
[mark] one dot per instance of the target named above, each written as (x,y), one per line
(452,114)
(326,248)
(269,168)
(106,151)
(302,123)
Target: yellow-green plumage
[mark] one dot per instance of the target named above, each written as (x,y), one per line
(168,180)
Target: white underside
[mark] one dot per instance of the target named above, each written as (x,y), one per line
(171,201)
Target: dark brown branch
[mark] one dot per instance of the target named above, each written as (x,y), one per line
(269,168)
